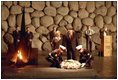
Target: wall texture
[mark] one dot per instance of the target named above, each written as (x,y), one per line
(41,17)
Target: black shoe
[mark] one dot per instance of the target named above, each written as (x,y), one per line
(52,65)
(58,66)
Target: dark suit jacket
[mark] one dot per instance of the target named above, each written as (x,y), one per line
(102,33)
(70,43)
(28,36)
(16,36)
(51,35)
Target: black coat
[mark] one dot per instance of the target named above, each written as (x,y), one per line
(51,35)
(102,33)
(28,36)
(70,43)
(16,36)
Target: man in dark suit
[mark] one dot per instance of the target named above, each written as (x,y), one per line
(16,36)
(28,40)
(71,42)
(103,32)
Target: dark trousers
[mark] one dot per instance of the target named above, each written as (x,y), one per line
(89,44)
(88,61)
(28,46)
(82,60)
(16,46)
(54,61)
(70,54)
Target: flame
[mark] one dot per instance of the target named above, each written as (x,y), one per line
(19,55)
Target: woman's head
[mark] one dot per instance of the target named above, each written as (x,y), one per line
(57,34)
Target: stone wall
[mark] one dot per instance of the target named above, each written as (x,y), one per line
(41,17)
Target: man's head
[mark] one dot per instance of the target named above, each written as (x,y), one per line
(18,29)
(89,27)
(28,29)
(105,28)
(70,32)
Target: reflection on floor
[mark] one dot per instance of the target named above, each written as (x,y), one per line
(104,67)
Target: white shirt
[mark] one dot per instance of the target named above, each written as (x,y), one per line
(89,32)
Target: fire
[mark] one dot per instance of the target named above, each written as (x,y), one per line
(19,55)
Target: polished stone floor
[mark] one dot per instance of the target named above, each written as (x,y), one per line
(104,67)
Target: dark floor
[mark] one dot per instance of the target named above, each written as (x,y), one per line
(104,67)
